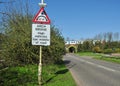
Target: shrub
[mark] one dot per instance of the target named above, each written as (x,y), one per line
(117,50)
(97,49)
(108,51)
(18,47)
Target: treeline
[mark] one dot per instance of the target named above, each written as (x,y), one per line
(102,43)
(15,42)
(109,36)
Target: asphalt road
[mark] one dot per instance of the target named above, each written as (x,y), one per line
(90,72)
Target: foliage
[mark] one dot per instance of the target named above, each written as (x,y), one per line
(53,75)
(1,40)
(17,42)
(97,49)
(91,54)
(113,44)
(100,56)
(86,46)
(108,51)
(57,75)
(79,48)
(18,46)
(108,36)
(100,46)
(19,76)
(117,50)
(111,59)
(53,53)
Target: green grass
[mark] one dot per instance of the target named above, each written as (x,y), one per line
(110,59)
(52,75)
(99,56)
(91,54)
(57,75)
(19,76)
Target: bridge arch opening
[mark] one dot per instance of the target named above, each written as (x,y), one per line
(72,50)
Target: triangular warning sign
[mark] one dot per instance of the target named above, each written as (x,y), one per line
(41,17)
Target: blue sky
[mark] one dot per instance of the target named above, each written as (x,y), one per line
(78,19)
(84,18)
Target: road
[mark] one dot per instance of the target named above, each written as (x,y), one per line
(91,72)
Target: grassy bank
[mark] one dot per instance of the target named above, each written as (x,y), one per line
(19,76)
(100,56)
(89,54)
(53,75)
(57,75)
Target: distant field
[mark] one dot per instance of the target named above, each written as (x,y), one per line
(100,56)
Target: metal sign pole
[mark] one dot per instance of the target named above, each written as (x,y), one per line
(40,68)
(35,32)
(40,58)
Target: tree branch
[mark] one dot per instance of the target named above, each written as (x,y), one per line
(4,13)
(7,2)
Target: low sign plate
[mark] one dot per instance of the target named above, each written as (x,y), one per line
(41,34)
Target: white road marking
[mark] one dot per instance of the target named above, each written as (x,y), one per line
(106,68)
(100,66)
(90,63)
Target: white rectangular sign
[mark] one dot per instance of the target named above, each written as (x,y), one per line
(40,34)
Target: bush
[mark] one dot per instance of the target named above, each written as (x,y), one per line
(19,76)
(108,51)
(54,53)
(97,50)
(117,50)
(18,48)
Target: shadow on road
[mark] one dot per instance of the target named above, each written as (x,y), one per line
(66,62)
(69,64)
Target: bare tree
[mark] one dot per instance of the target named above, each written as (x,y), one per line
(109,36)
(7,1)
(104,36)
(67,39)
(98,37)
(116,36)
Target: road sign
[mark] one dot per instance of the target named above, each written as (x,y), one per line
(41,34)
(41,17)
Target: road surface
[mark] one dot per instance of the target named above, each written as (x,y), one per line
(90,72)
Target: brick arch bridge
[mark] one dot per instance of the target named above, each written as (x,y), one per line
(71,46)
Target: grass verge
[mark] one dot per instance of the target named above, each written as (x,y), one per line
(100,56)
(57,75)
(53,75)
(89,54)
(19,76)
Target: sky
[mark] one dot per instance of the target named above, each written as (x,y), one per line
(78,19)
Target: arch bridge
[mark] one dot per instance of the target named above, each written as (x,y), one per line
(71,46)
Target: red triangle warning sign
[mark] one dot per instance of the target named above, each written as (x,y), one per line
(41,17)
